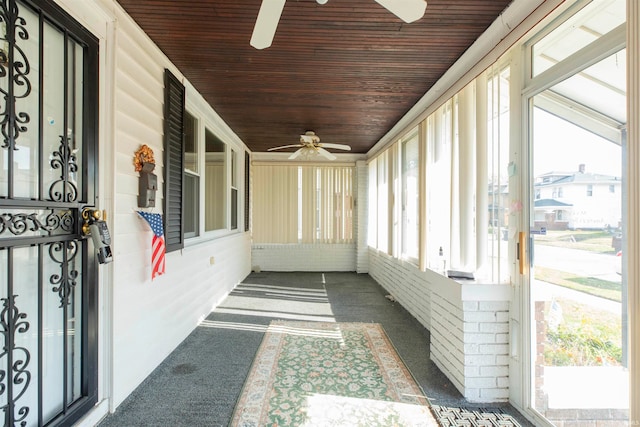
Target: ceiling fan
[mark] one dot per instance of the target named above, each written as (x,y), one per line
(270,11)
(310,145)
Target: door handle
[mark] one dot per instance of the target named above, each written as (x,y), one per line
(521,250)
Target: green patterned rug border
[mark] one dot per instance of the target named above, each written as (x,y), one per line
(325,373)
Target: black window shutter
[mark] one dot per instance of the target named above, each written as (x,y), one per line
(173,161)
(247,188)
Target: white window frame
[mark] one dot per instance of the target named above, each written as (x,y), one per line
(205,120)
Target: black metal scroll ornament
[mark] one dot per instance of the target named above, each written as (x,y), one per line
(17,358)
(14,67)
(20,223)
(64,189)
(63,253)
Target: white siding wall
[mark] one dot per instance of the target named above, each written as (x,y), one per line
(150,318)
(141,320)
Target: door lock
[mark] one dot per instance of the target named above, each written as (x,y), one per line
(97,228)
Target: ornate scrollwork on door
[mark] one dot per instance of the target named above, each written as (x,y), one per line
(20,223)
(64,189)
(16,71)
(17,358)
(63,254)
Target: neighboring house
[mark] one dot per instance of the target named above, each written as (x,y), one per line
(577,200)
(498,205)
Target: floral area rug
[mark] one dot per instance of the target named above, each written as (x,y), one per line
(329,374)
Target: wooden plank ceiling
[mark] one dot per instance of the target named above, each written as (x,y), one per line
(348,69)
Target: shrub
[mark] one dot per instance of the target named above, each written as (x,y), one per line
(580,345)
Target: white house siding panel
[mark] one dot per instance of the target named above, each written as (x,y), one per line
(150,318)
(304,257)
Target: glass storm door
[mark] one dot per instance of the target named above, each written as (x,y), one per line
(577,217)
(578,290)
(48,300)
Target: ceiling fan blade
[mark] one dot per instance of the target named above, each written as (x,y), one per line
(296,154)
(336,146)
(266,23)
(407,10)
(285,146)
(326,154)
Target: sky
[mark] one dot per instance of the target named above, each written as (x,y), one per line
(560,146)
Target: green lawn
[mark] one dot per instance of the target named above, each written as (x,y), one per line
(587,240)
(590,285)
(586,336)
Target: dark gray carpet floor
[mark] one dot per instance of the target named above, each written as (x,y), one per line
(198,384)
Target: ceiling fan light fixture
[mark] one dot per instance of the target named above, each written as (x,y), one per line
(321,1)
(407,10)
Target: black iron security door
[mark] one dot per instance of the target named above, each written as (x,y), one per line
(48,275)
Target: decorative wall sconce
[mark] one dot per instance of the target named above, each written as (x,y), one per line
(148,182)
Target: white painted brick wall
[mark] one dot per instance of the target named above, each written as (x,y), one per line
(304,257)
(469,339)
(405,282)
(485,348)
(447,340)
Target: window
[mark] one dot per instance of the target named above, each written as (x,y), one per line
(612,188)
(575,33)
(275,204)
(372,224)
(191,177)
(202,174)
(327,204)
(410,196)
(560,192)
(439,143)
(495,261)
(215,190)
(302,204)
(589,190)
(173,162)
(234,190)
(466,187)
(383,202)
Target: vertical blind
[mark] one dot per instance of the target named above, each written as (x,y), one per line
(275,204)
(302,204)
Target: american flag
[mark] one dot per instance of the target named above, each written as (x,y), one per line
(157,243)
